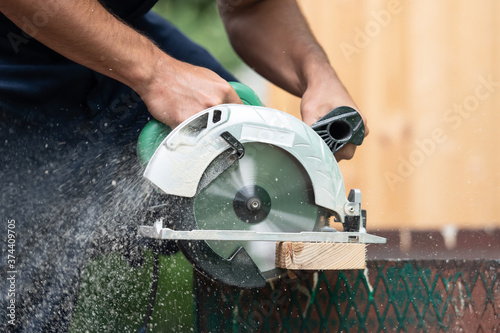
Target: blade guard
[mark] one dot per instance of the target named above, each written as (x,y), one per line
(178,164)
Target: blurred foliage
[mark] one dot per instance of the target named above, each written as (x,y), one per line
(200,21)
(114,296)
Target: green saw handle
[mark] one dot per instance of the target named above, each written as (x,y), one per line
(246,94)
(153,134)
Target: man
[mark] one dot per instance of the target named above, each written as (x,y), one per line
(77,80)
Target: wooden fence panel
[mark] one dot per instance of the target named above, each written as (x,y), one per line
(427,75)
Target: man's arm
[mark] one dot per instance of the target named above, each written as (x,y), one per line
(85,32)
(274,39)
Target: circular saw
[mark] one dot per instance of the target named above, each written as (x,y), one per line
(248,176)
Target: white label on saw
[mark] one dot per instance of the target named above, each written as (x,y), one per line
(272,136)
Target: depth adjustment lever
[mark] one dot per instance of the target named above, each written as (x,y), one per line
(234,143)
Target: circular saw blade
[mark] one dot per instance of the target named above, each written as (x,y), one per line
(267,190)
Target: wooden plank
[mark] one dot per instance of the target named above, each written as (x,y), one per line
(320,256)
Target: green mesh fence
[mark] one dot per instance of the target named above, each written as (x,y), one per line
(395,296)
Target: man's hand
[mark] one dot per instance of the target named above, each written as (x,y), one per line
(324,93)
(179,90)
(273,38)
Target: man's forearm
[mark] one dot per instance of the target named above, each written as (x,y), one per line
(87,33)
(274,38)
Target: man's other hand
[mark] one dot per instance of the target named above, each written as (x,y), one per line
(322,95)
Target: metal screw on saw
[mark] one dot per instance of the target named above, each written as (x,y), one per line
(254,204)
(351,208)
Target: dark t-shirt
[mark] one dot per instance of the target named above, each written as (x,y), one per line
(128,10)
